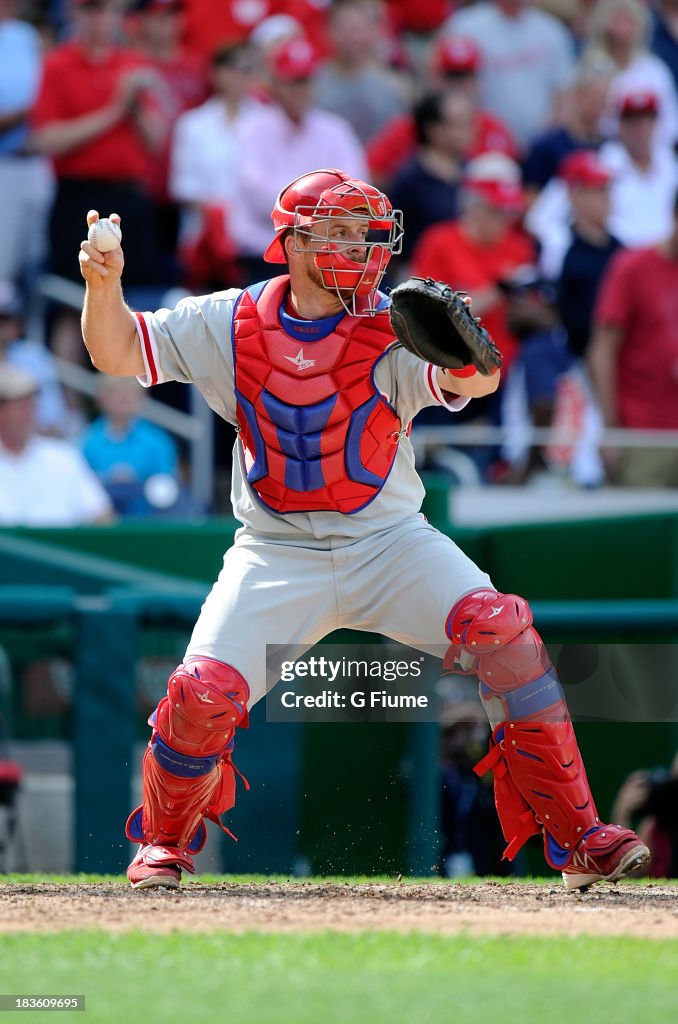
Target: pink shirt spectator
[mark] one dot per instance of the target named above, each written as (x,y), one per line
(277,152)
(281,140)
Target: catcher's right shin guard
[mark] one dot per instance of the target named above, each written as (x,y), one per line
(539,777)
(187,772)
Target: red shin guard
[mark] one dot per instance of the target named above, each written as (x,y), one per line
(540,780)
(187,771)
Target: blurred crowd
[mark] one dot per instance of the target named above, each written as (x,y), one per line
(531,147)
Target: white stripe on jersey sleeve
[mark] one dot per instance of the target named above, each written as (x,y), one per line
(458,402)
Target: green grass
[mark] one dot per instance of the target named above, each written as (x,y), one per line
(329,978)
(346,979)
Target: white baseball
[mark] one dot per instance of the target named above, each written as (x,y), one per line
(104,234)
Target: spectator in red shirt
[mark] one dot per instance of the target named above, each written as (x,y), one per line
(183,84)
(95,118)
(454,66)
(210,23)
(483,247)
(418,16)
(634,357)
(184,76)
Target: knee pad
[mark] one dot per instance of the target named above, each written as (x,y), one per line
(495,631)
(206,699)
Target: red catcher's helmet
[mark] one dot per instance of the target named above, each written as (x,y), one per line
(309,203)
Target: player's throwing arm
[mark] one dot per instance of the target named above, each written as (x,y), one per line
(108,325)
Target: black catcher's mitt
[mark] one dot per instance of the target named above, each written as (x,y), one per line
(434,323)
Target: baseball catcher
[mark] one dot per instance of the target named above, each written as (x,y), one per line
(322,374)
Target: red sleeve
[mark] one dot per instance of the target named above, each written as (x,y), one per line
(48,107)
(431,256)
(419,16)
(390,149)
(492,136)
(617,291)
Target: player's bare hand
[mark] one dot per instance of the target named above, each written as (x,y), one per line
(98,267)
(132,85)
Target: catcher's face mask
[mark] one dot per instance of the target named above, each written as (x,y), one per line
(352,230)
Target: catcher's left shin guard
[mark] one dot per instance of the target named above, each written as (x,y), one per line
(539,778)
(187,772)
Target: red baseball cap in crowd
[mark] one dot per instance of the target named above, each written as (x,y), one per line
(639,104)
(496,178)
(293,60)
(503,195)
(456,55)
(584,169)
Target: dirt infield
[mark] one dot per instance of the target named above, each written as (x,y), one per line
(644,911)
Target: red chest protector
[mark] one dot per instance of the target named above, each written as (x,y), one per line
(317,434)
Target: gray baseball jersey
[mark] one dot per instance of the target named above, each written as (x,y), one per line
(271,592)
(192,343)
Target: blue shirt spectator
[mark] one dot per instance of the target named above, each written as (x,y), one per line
(25,179)
(425,199)
(664,42)
(140,452)
(126,451)
(427,188)
(577,289)
(20,70)
(546,155)
(581,130)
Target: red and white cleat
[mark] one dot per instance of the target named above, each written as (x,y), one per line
(158,866)
(605,856)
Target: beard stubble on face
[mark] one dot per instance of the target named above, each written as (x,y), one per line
(315,276)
